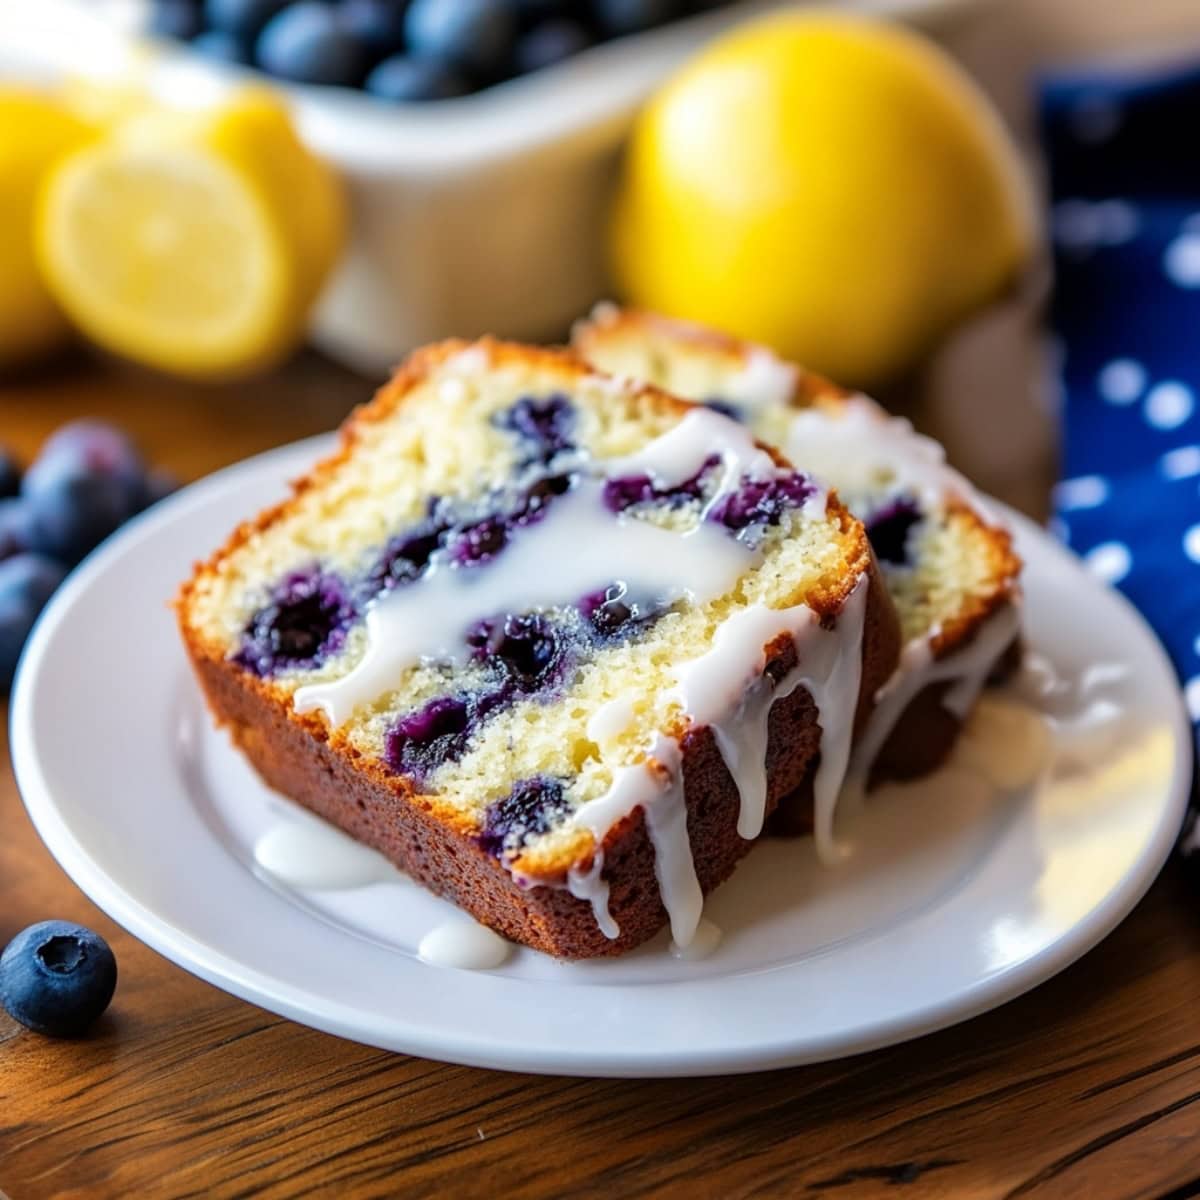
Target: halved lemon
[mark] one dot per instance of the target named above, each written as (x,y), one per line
(195,243)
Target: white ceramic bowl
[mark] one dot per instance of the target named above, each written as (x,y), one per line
(482,214)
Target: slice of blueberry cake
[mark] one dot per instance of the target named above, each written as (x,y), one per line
(555,644)
(949,566)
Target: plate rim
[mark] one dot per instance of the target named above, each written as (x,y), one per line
(466,1047)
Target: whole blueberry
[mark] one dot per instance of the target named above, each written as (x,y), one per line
(475,34)
(307,43)
(378,24)
(10,474)
(27,581)
(222,46)
(88,480)
(402,79)
(549,43)
(242,18)
(614,18)
(175,18)
(102,444)
(57,978)
(16,527)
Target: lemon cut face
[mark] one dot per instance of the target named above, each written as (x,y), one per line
(164,258)
(176,242)
(831,185)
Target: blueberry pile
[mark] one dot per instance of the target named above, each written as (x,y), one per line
(57,978)
(88,480)
(404,50)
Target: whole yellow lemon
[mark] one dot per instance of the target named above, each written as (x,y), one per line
(37,132)
(830,185)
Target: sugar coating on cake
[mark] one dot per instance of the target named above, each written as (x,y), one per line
(519,587)
(948,563)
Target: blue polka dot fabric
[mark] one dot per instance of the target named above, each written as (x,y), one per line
(1125,184)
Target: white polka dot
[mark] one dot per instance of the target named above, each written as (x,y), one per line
(1181,260)
(1117,221)
(1095,118)
(1191,543)
(1196,644)
(1109,561)
(1122,381)
(1169,404)
(1191,696)
(1182,463)
(1082,225)
(1075,225)
(1084,492)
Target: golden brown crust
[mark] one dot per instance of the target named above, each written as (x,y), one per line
(810,388)
(433,841)
(1003,576)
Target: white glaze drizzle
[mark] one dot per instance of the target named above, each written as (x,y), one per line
(677,455)
(705,940)
(726,691)
(674,866)
(307,855)
(656,786)
(577,548)
(610,720)
(765,381)
(591,887)
(858,442)
(965,669)
(463,944)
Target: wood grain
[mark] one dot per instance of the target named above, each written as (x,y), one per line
(1088,1087)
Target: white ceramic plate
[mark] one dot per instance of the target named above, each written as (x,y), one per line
(950,905)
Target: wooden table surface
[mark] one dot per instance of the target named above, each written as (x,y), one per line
(1089,1086)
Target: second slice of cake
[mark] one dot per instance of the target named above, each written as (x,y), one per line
(555,644)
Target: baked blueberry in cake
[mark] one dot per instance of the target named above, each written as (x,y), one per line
(554,643)
(949,565)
